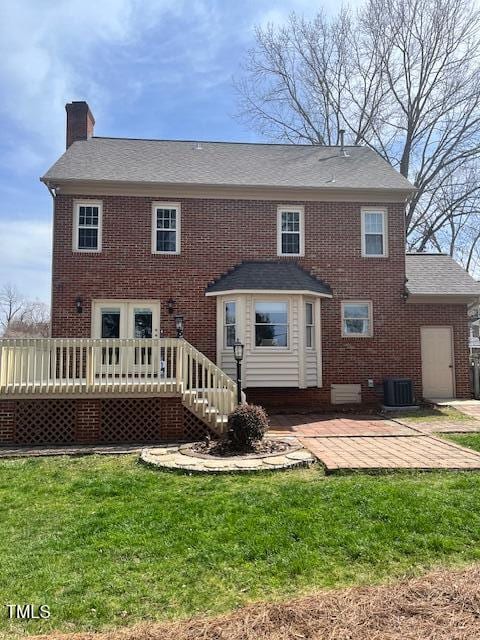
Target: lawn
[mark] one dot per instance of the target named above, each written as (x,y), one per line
(106,542)
(430,414)
(471,440)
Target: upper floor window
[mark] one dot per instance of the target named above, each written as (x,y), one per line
(271,324)
(290,231)
(87,235)
(357,319)
(374,233)
(230,323)
(165,228)
(309,325)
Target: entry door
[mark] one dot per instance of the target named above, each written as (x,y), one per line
(437,362)
(133,319)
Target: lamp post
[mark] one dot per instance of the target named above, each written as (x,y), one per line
(238,348)
(179,326)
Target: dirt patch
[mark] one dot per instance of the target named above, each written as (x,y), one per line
(443,605)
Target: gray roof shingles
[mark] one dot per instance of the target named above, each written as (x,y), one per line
(225,163)
(438,274)
(264,276)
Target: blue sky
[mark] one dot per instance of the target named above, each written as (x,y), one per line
(148,68)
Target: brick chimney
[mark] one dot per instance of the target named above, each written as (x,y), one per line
(80,122)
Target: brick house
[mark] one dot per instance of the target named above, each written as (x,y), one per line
(297,251)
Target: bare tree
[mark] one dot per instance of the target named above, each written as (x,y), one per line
(20,317)
(401,76)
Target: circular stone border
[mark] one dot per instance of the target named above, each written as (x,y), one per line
(170,457)
(187,450)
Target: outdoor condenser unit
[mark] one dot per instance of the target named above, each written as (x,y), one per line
(397,392)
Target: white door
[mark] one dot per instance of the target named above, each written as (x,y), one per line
(437,362)
(126,319)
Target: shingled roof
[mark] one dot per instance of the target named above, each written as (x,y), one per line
(225,164)
(438,274)
(269,276)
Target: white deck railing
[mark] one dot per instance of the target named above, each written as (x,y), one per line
(73,366)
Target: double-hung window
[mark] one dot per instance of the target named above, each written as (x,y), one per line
(271,324)
(357,319)
(309,325)
(374,233)
(166,228)
(290,231)
(229,323)
(87,234)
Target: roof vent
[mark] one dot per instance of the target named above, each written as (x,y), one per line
(341,136)
(198,146)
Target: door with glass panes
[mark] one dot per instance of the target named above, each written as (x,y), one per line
(138,320)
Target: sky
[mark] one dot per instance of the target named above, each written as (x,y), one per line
(147,68)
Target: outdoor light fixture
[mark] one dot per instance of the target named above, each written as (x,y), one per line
(79,305)
(238,348)
(170,305)
(179,326)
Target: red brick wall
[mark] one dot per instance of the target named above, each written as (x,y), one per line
(217,235)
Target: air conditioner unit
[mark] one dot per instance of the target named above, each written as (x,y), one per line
(397,392)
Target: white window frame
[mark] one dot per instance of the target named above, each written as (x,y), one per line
(370,319)
(225,325)
(384,212)
(166,205)
(312,346)
(254,313)
(76,225)
(295,209)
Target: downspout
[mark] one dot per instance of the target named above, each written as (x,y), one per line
(54,195)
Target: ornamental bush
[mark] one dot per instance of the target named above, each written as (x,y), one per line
(247,425)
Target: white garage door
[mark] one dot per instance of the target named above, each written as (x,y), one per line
(437,362)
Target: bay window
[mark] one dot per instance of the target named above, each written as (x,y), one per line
(271,324)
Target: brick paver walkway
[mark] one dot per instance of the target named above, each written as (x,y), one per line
(372,442)
(398,452)
(321,425)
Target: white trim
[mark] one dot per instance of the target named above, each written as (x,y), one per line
(370,318)
(312,347)
(295,209)
(267,292)
(125,305)
(384,212)
(288,349)
(178,227)
(319,346)
(75,225)
(224,324)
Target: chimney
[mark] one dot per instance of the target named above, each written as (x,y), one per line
(80,122)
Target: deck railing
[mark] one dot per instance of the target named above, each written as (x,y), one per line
(73,366)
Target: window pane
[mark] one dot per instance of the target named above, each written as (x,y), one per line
(166,219)
(355,311)
(166,240)
(142,323)
(88,238)
(290,243)
(267,312)
(373,245)
(309,336)
(373,222)
(271,335)
(356,326)
(230,313)
(88,216)
(230,336)
(110,323)
(290,221)
(309,313)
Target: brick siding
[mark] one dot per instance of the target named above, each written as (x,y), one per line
(218,234)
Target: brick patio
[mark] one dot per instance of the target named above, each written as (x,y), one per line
(370,442)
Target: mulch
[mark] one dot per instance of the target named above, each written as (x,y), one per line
(442,605)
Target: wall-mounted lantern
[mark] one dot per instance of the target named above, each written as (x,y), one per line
(171,305)
(179,324)
(79,304)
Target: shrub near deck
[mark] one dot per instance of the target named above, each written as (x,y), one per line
(107,542)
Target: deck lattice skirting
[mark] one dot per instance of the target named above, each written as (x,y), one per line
(66,391)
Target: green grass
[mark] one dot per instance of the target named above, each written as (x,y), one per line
(439,414)
(105,541)
(471,440)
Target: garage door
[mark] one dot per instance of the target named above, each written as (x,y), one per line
(437,362)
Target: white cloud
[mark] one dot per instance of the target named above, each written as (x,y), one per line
(25,248)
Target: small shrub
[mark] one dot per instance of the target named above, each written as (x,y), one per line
(247,425)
